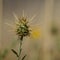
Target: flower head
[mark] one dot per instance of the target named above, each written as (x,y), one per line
(22,27)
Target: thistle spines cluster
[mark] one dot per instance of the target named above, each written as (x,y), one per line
(23,28)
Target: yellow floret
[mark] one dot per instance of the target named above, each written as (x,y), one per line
(36,33)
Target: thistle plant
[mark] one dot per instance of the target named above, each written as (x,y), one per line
(23,30)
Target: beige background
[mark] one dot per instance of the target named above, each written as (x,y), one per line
(46,10)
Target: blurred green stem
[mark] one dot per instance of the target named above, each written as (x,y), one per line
(20,44)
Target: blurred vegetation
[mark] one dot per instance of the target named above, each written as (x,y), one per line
(3,54)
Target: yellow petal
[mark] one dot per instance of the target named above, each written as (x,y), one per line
(36,33)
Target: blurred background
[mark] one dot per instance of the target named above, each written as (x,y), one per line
(47,45)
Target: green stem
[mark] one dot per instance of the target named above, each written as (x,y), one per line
(20,44)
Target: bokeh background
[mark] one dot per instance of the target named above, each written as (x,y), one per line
(45,47)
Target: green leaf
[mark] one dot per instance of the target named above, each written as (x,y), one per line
(24,57)
(15,52)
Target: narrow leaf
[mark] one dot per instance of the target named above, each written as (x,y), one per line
(15,52)
(24,57)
